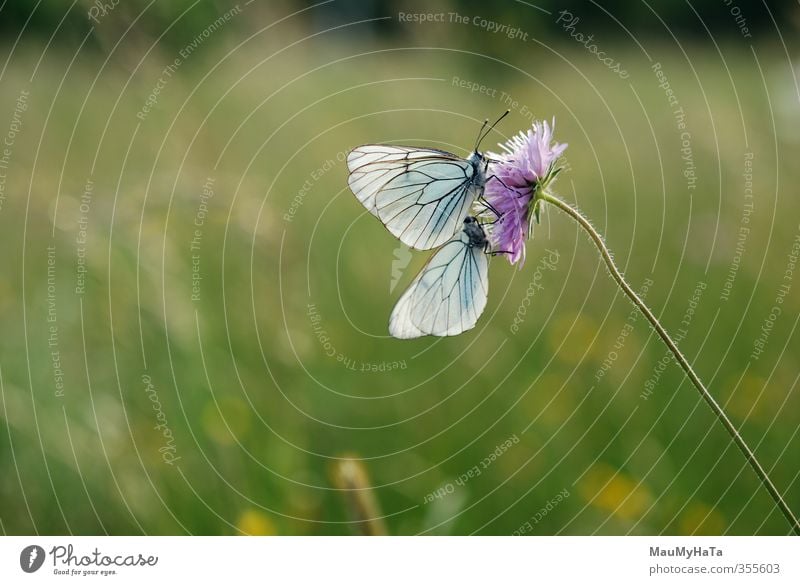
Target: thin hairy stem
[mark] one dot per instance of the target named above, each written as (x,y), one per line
(679,357)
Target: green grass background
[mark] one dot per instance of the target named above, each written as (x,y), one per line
(258,410)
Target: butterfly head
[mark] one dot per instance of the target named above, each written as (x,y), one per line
(476,158)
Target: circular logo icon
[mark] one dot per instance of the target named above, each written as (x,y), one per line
(31,558)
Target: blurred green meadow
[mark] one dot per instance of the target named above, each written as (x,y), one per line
(194,306)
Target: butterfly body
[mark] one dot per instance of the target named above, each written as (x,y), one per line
(474,230)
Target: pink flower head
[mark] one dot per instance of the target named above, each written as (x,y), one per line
(526,165)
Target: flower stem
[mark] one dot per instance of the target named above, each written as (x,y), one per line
(679,357)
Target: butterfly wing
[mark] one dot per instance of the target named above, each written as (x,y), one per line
(447,296)
(421,195)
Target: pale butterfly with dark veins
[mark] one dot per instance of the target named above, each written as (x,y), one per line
(425,197)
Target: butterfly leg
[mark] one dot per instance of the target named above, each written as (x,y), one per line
(491,207)
(490,252)
(495,177)
(498,215)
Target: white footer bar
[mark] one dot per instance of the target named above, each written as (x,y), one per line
(401,560)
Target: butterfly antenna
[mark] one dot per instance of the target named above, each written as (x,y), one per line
(482,134)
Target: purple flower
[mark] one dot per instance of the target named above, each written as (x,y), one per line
(526,165)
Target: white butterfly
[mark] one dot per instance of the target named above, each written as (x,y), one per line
(422,196)
(450,292)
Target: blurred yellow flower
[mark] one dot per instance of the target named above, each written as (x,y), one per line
(700,519)
(254,523)
(613,491)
